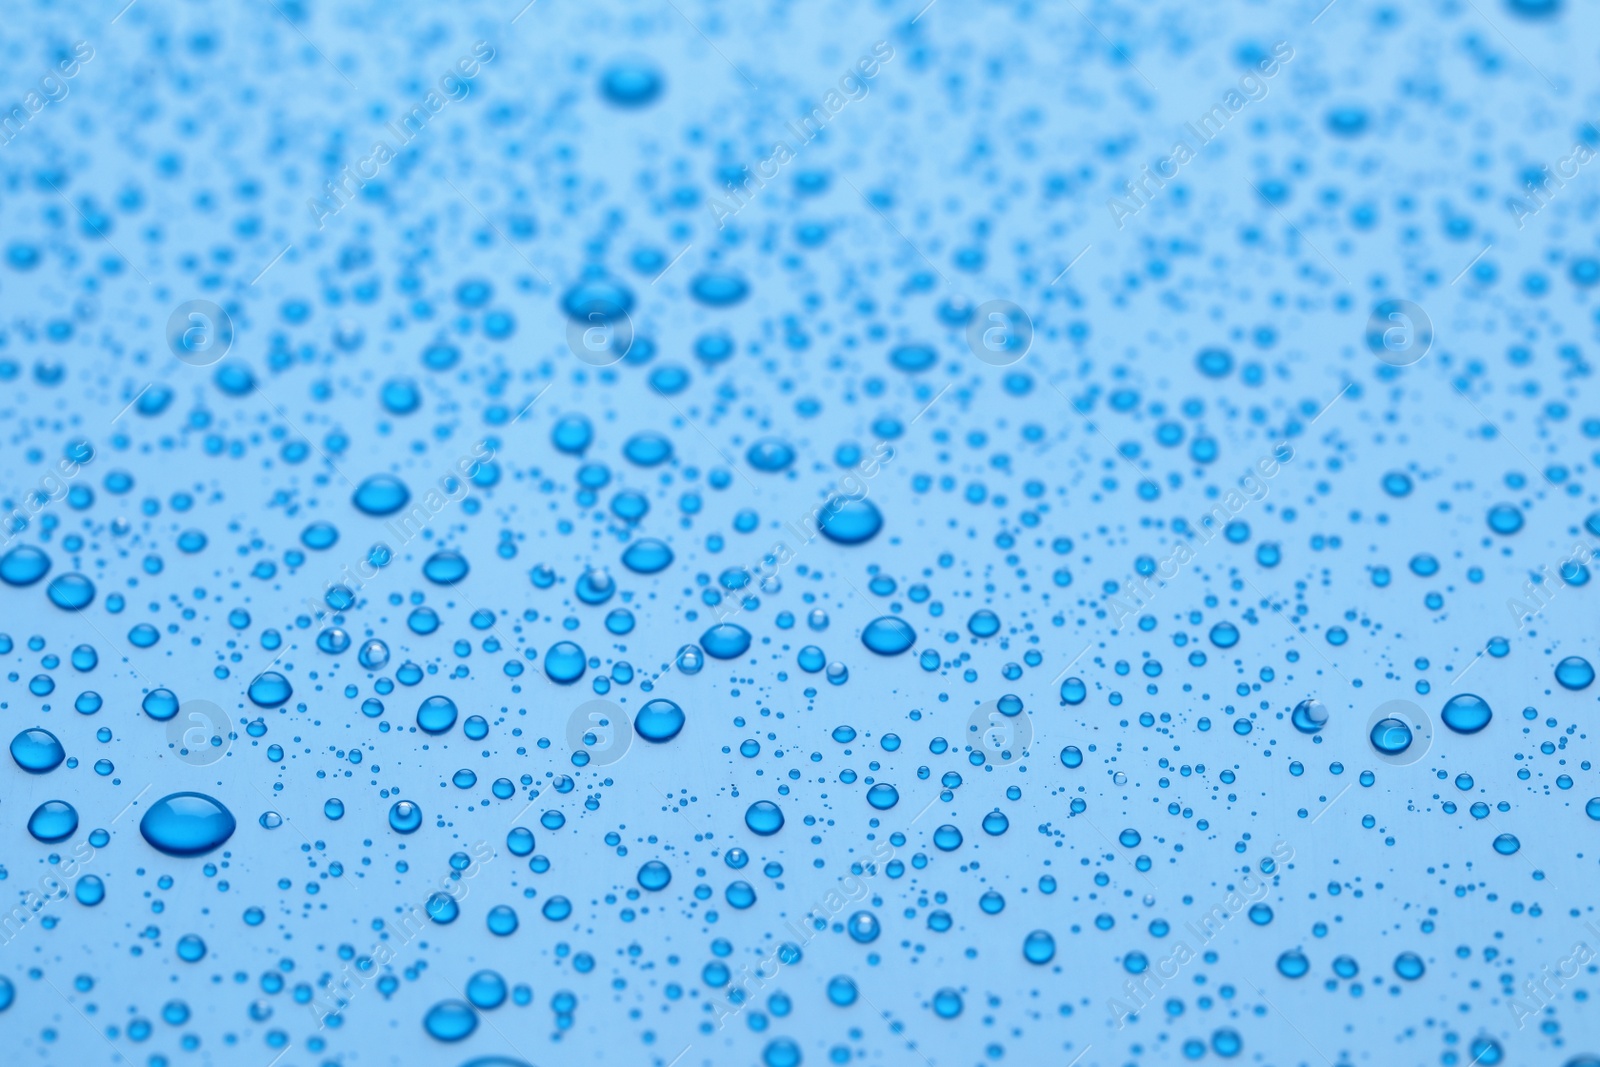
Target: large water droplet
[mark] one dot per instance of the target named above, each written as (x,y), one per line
(913,359)
(726,641)
(436,715)
(564,663)
(659,721)
(381,494)
(655,876)
(883,796)
(160,704)
(450,1020)
(70,592)
(23,565)
(764,818)
(1039,947)
(1466,713)
(631,84)
(647,556)
(850,522)
(52,821)
(718,289)
(445,567)
(37,751)
(270,690)
(405,817)
(888,635)
(770,455)
(187,824)
(1574,672)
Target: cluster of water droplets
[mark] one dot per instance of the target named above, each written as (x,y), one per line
(606,608)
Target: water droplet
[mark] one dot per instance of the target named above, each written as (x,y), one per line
(883,796)
(436,715)
(770,455)
(445,568)
(1408,965)
(564,663)
(52,821)
(381,494)
(850,522)
(23,566)
(631,84)
(718,289)
(654,876)
(70,592)
(659,721)
(1574,672)
(187,824)
(863,927)
(1039,947)
(450,1020)
(1465,713)
(37,751)
(888,635)
(764,818)
(725,641)
(405,817)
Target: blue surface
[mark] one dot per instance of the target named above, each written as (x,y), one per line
(686,533)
